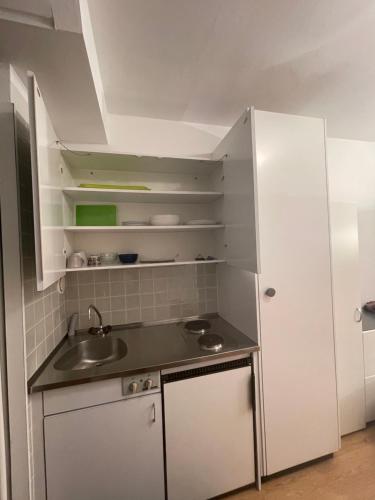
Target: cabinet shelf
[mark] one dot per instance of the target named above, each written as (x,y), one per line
(131,196)
(138,266)
(140,229)
(101,157)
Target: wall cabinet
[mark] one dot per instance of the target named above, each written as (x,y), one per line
(112,450)
(189,187)
(47,192)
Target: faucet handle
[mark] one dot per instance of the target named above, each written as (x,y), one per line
(100,330)
(73,324)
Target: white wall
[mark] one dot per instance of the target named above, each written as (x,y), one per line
(162,137)
(354,162)
(352,165)
(366,230)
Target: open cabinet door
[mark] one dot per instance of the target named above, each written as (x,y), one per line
(47,192)
(239,213)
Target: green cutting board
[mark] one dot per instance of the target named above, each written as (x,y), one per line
(96,215)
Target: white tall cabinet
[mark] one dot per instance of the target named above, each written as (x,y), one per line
(296,324)
(291,247)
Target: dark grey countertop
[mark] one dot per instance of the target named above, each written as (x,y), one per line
(368,321)
(153,347)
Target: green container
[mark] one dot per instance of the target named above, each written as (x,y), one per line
(96,215)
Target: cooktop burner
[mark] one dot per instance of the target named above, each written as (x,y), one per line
(198,326)
(211,342)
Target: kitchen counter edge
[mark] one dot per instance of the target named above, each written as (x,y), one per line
(33,389)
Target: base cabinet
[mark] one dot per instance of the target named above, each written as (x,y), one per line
(209,434)
(112,451)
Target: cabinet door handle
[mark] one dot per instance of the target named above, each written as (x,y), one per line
(153,412)
(358,314)
(270,292)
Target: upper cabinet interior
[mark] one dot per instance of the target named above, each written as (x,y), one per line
(142,187)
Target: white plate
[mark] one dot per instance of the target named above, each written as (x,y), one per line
(201,222)
(156,261)
(135,223)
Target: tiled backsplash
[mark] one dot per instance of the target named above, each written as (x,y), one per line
(130,295)
(45,323)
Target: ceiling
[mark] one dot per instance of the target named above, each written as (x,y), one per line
(60,62)
(204,61)
(36,7)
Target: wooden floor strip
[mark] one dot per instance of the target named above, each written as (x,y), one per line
(348,475)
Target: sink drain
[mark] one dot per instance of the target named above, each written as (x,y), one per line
(98,364)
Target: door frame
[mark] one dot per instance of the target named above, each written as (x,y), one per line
(13,306)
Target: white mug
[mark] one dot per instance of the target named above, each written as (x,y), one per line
(75,260)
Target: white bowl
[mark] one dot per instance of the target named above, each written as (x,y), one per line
(165,220)
(108,257)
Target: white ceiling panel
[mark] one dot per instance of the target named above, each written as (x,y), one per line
(204,61)
(60,63)
(36,7)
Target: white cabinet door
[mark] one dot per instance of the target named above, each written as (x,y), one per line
(297,340)
(239,211)
(112,451)
(346,308)
(47,192)
(209,434)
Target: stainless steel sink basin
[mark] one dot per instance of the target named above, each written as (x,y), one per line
(91,353)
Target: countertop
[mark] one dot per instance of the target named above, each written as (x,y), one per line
(368,321)
(152,347)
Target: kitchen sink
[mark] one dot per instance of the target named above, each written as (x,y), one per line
(91,353)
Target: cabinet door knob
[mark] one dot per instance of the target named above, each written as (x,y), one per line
(270,292)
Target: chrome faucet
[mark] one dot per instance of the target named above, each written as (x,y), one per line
(101,330)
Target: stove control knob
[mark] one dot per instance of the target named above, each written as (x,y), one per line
(133,387)
(148,384)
